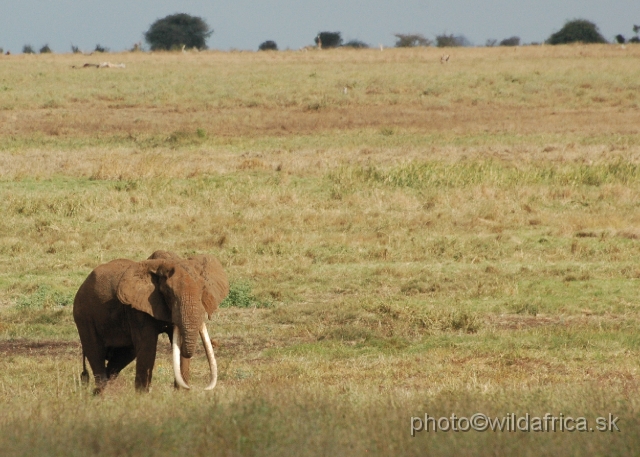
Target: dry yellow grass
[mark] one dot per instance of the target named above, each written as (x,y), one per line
(442,238)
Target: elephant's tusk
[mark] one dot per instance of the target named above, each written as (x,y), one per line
(206,342)
(175,346)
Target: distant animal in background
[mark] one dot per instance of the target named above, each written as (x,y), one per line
(444,58)
(101,65)
(123,306)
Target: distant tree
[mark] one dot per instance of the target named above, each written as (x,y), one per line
(578,30)
(411,40)
(177,30)
(635,39)
(268,45)
(513,41)
(45,49)
(357,44)
(491,43)
(75,49)
(328,39)
(137,47)
(100,48)
(28,49)
(621,39)
(444,41)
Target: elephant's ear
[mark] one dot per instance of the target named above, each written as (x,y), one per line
(139,288)
(216,284)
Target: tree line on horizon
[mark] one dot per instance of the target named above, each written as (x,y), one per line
(182,31)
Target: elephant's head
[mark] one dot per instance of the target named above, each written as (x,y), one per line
(181,292)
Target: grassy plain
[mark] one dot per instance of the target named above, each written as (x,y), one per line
(439,239)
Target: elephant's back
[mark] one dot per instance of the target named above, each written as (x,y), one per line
(101,285)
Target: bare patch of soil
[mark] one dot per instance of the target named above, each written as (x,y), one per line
(39,348)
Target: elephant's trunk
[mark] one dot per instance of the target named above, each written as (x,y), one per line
(189,318)
(189,340)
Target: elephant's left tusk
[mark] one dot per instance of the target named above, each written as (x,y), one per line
(175,346)
(206,342)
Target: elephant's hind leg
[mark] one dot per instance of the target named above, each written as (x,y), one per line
(96,361)
(96,354)
(84,376)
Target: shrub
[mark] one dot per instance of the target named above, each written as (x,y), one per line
(445,41)
(328,39)
(411,40)
(268,45)
(491,43)
(513,41)
(75,49)
(177,30)
(357,44)
(28,49)
(240,296)
(44,297)
(621,39)
(100,49)
(45,49)
(578,30)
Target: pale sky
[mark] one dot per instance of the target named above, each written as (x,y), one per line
(244,24)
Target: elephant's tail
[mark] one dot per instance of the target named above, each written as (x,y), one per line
(84,377)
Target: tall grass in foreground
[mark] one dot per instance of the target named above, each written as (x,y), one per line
(291,419)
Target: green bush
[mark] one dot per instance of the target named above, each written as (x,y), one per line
(268,45)
(45,49)
(241,296)
(513,41)
(28,49)
(578,30)
(328,39)
(44,297)
(411,40)
(446,41)
(177,30)
(357,44)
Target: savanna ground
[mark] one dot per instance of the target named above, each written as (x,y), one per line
(441,238)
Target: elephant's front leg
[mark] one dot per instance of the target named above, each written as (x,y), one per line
(144,334)
(145,359)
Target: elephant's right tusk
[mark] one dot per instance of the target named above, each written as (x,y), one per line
(206,342)
(175,346)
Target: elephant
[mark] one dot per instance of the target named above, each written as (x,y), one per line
(123,306)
